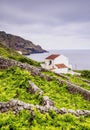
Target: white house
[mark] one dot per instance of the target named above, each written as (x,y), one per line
(57,63)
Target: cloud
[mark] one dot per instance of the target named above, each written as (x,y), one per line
(44,11)
(50,23)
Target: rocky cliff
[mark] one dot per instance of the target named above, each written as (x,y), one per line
(20,44)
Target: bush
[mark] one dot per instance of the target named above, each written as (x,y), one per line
(86,74)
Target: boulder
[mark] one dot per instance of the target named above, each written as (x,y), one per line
(47,102)
(33,88)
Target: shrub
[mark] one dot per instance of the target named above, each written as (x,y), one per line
(86,74)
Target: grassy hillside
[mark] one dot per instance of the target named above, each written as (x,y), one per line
(10,53)
(73,79)
(14,84)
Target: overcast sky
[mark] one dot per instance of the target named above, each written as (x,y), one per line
(53,24)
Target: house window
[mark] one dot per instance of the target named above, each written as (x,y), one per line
(50,62)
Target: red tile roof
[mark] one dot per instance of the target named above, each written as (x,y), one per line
(61,66)
(52,69)
(53,56)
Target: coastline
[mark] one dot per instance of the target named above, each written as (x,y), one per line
(78,58)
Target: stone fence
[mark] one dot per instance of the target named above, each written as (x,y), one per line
(3,67)
(72,88)
(17,105)
(5,63)
(34,89)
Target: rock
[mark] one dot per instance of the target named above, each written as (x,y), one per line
(6,63)
(63,111)
(72,88)
(12,102)
(17,105)
(46,77)
(20,108)
(47,102)
(42,109)
(72,111)
(19,44)
(7,105)
(33,88)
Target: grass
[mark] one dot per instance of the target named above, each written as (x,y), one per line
(48,121)
(78,81)
(14,84)
(72,78)
(12,54)
(60,95)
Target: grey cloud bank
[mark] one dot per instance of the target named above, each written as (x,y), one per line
(54,24)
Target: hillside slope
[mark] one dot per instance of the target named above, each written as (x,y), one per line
(18,43)
(31,98)
(35,99)
(12,54)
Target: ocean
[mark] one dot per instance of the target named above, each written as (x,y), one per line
(79,59)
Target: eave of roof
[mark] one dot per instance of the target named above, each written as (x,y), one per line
(60,66)
(53,56)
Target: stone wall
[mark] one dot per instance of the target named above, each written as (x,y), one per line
(17,105)
(34,89)
(6,63)
(45,99)
(72,88)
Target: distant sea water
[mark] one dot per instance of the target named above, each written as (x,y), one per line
(79,59)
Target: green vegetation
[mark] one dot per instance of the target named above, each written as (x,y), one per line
(12,54)
(14,84)
(60,95)
(72,78)
(85,74)
(48,121)
(78,81)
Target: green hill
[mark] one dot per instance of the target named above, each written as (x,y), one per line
(12,54)
(14,84)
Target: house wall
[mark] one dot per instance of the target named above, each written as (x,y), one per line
(48,65)
(63,70)
(61,59)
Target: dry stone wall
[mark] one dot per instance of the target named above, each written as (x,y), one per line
(76,89)
(45,99)
(5,63)
(34,89)
(72,88)
(47,102)
(17,105)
